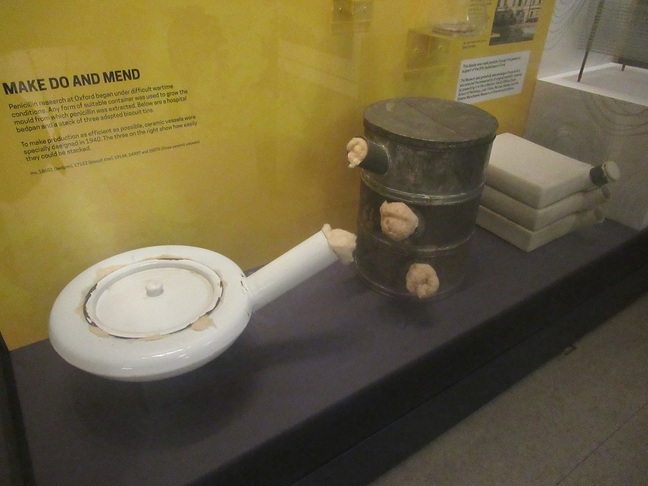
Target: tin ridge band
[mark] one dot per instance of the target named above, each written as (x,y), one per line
(422,199)
(419,251)
(385,290)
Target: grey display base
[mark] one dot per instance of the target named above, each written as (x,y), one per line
(332,380)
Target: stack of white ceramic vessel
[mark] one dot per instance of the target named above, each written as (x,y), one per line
(534,195)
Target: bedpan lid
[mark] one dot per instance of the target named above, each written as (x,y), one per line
(150,313)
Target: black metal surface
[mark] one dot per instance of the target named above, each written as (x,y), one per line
(438,151)
(430,123)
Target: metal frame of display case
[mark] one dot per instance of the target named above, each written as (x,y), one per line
(624,33)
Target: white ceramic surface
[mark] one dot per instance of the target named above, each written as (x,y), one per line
(534,219)
(528,240)
(153,298)
(161,311)
(533,174)
(290,269)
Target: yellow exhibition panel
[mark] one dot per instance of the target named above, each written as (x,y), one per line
(215,124)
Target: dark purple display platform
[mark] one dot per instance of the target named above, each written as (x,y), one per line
(332,378)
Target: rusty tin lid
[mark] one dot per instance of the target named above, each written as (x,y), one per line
(431,123)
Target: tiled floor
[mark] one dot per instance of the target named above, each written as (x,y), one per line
(582,419)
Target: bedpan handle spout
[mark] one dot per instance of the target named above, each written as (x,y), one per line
(298,264)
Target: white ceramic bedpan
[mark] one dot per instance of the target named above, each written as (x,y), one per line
(161,311)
